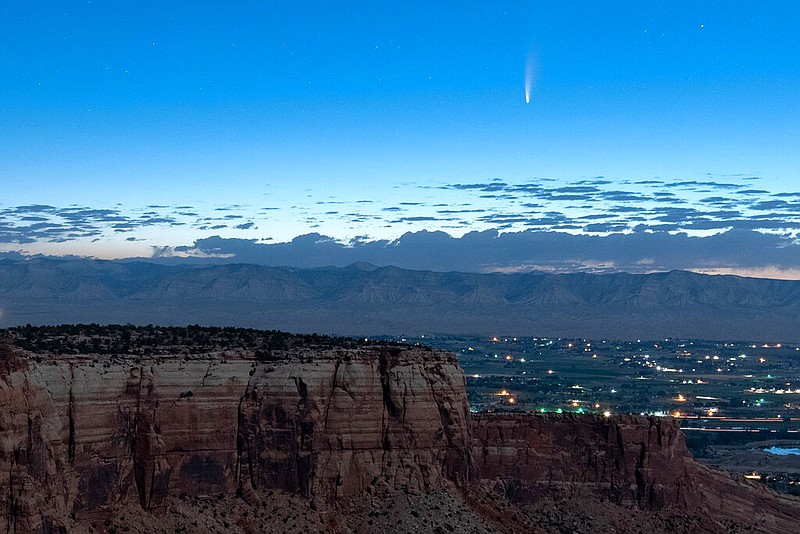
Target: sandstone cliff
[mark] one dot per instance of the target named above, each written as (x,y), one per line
(630,460)
(83,434)
(637,462)
(136,428)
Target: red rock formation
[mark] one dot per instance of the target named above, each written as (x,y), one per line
(82,436)
(626,459)
(79,436)
(633,461)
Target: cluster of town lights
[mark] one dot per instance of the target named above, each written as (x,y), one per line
(574,404)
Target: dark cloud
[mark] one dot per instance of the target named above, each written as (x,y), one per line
(532,189)
(16,238)
(724,214)
(585,198)
(597,181)
(671,214)
(753,192)
(576,189)
(545,221)
(765,224)
(647,248)
(32,208)
(764,205)
(593,217)
(624,209)
(698,185)
(150,221)
(718,201)
(500,197)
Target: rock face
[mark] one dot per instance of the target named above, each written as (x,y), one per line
(630,460)
(81,436)
(633,461)
(105,423)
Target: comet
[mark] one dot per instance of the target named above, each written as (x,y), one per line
(528,78)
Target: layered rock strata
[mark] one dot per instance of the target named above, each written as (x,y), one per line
(126,425)
(632,461)
(80,435)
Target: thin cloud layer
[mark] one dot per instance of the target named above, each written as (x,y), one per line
(49,224)
(681,207)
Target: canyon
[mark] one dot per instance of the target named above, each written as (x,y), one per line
(119,426)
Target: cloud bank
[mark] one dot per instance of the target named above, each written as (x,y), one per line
(737,251)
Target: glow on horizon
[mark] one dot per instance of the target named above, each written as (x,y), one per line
(772,272)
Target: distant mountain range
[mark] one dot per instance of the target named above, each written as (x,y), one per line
(365,300)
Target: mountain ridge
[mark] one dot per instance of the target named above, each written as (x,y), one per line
(370,300)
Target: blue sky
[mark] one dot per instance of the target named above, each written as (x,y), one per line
(128,126)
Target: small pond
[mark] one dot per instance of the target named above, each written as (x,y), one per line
(781,451)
